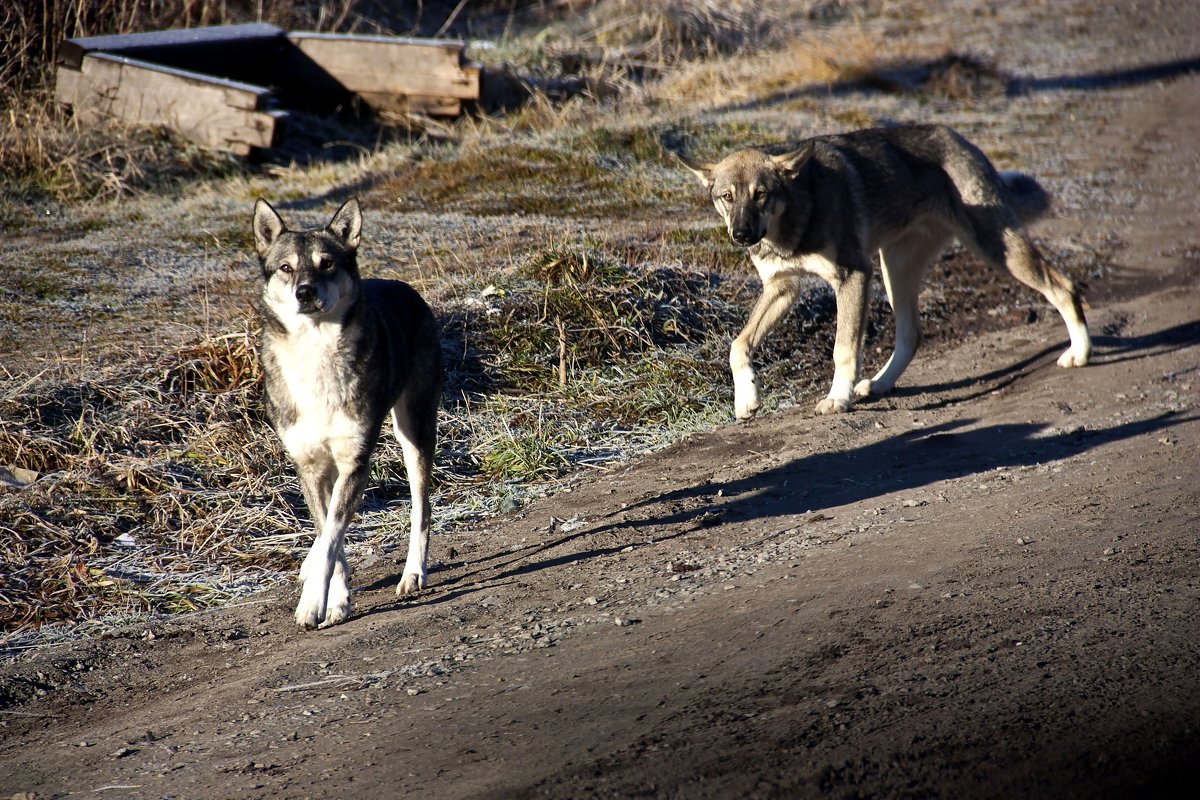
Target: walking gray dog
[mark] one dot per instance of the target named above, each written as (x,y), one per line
(339,352)
(827,206)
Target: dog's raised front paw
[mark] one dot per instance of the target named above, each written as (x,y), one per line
(411,583)
(833,405)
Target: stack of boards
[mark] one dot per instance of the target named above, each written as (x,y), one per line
(227,87)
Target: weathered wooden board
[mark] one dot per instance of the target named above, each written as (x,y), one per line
(212,112)
(209,84)
(412,103)
(253,53)
(386,71)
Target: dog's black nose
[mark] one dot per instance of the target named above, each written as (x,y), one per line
(743,237)
(306,293)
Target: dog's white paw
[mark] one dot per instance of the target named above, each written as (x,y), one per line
(309,614)
(337,606)
(1074,358)
(745,412)
(336,613)
(410,584)
(833,405)
(745,399)
(868,388)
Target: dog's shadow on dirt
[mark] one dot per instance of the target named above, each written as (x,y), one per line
(909,461)
(1107,350)
(917,458)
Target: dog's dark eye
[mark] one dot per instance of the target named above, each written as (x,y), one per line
(320,264)
(285,268)
(759,194)
(727,197)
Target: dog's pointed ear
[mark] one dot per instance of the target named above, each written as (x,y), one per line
(347,223)
(267,226)
(790,164)
(701,169)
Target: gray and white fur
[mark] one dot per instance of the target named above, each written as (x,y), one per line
(904,192)
(338,353)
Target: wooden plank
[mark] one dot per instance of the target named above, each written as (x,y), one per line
(376,65)
(252,52)
(413,103)
(211,112)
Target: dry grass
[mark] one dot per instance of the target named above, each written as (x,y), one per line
(43,153)
(145,500)
(161,488)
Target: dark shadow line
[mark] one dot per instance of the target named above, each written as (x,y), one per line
(1106,350)
(908,77)
(907,461)
(1105,80)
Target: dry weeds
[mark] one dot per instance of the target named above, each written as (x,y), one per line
(160,488)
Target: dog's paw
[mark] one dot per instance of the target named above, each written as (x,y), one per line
(1072,358)
(745,413)
(870,388)
(745,395)
(745,403)
(833,405)
(410,584)
(309,616)
(336,613)
(338,604)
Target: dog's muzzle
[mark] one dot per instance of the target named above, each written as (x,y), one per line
(744,237)
(307,298)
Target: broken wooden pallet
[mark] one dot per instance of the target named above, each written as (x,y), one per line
(221,86)
(212,112)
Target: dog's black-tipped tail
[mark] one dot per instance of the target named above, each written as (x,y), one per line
(1027,197)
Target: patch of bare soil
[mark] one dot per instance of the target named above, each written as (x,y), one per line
(985,585)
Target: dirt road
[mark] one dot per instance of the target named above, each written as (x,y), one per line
(987,585)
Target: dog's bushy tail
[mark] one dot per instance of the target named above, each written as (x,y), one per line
(1028,198)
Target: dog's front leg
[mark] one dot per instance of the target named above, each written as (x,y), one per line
(850,291)
(776,300)
(325,596)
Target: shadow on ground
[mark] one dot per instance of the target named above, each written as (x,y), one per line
(826,480)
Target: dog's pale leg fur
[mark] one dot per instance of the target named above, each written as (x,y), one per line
(904,263)
(316,482)
(777,298)
(325,597)
(1029,267)
(418,465)
(992,233)
(851,294)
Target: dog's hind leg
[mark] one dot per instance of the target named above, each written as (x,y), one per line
(993,234)
(415,425)
(778,296)
(903,263)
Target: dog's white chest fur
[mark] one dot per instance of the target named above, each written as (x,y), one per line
(771,267)
(319,385)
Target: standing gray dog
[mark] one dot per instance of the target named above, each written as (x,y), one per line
(826,207)
(339,352)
